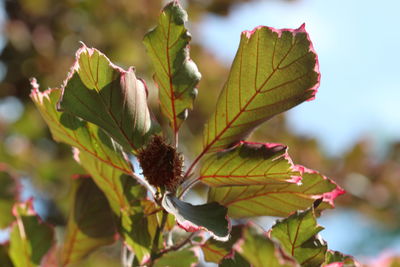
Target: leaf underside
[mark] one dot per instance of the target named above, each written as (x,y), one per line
(260,251)
(180,258)
(249,164)
(297,235)
(211,216)
(279,200)
(101,157)
(106,95)
(338,257)
(273,71)
(86,137)
(176,75)
(30,238)
(216,251)
(90,224)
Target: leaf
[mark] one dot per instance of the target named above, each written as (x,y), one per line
(211,216)
(298,236)
(216,251)
(276,199)
(273,71)
(260,251)
(236,261)
(90,224)
(180,258)
(176,75)
(30,238)
(68,129)
(4,257)
(8,195)
(107,165)
(114,99)
(332,257)
(249,164)
(126,197)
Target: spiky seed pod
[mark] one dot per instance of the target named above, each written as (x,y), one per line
(161,164)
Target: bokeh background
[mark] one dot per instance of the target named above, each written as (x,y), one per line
(350,132)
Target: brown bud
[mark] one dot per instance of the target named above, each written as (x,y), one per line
(161,164)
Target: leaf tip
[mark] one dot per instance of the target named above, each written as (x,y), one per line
(329,197)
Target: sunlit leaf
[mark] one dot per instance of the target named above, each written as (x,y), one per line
(176,75)
(90,224)
(216,251)
(276,199)
(97,153)
(249,164)
(180,258)
(273,71)
(108,96)
(341,259)
(8,195)
(297,234)
(125,196)
(260,251)
(68,129)
(30,238)
(211,216)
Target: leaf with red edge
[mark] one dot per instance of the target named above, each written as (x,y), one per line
(297,235)
(277,199)
(68,129)
(273,71)
(249,164)
(126,199)
(176,75)
(114,99)
(90,224)
(211,216)
(30,238)
(336,258)
(261,251)
(216,251)
(107,165)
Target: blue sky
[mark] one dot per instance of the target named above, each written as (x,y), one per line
(357,44)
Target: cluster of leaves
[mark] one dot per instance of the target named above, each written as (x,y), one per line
(101,111)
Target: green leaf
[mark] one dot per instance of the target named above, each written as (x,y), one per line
(180,258)
(176,75)
(276,199)
(298,236)
(69,129)
(30,238)
(8,195)
(338,257)
(249,164)
(260,251)
(108,96)
(107,165)
(236,261)
(4,257)
(273,71)
(211,216)
(216,251)
(90,224)
(126,197)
